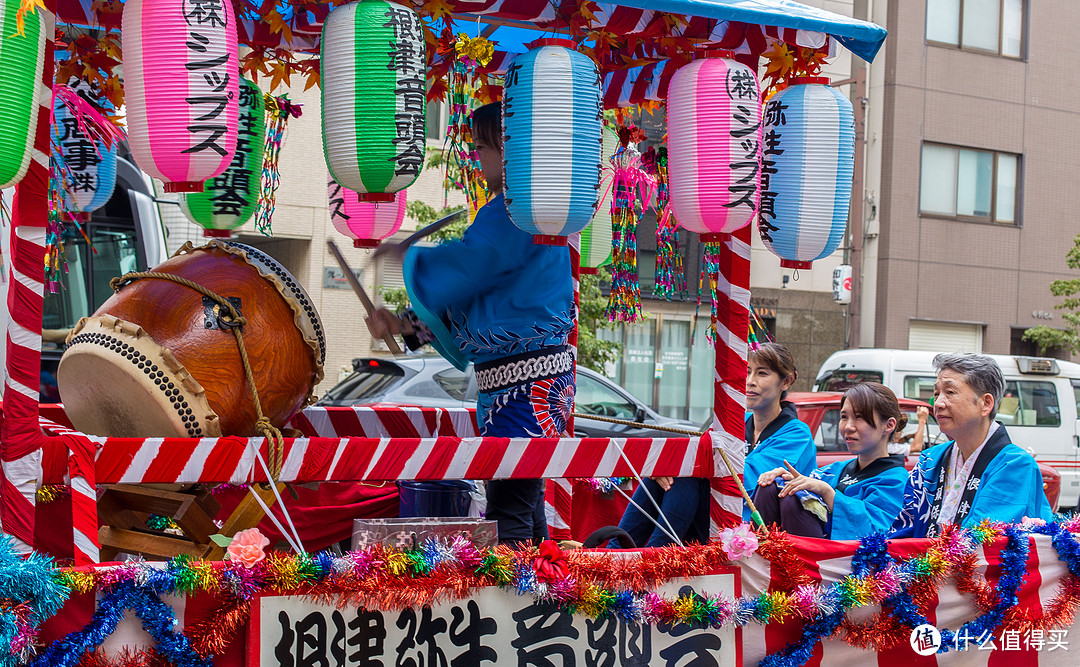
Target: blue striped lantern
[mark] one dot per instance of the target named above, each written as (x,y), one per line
(808,157)
(89,174)
(552,137)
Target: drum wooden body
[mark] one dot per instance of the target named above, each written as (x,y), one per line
(152,361)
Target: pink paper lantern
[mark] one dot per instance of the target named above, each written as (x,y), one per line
(181,77)
(714,146)
(366,223)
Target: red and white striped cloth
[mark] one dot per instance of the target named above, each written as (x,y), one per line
(20,437)
(829,561)
(383,422)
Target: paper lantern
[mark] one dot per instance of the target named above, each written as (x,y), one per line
(808,157)
(714,146)
(229,200)
(181,85)
(89,176)
(552,127)
(21,58)
(373,97)
(367,223)
(596,238)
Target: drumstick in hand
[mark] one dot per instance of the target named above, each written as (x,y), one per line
(359,289)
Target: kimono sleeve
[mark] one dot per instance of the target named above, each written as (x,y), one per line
(909,522)
(875,508)
(446,277)
(793,443)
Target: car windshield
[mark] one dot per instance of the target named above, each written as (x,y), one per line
(843,379)
(366,384)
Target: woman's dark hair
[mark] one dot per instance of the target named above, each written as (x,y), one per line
(777,358)
(871,400)
(487,125)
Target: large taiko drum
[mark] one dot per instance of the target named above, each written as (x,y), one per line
(158,360)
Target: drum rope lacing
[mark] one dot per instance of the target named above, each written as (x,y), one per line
(231,318)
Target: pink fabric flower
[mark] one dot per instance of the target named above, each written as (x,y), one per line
(739,542)
(1032,522)
(248,546)
(550,566)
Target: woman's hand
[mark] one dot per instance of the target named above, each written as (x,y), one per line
(664,482)
(923,413)
(798,481)
(769,477)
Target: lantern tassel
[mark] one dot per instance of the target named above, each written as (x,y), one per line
(278,111)
(710,268)
(635,190)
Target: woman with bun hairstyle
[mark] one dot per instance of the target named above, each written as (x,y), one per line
(846,499)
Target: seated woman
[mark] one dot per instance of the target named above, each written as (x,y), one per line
(773,434)
(980,474)
(846,499)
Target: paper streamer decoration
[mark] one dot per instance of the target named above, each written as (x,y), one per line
(373,97)
(182,82)
(552,125)
(229,200)
(714,142)
(85,168)
(808,157)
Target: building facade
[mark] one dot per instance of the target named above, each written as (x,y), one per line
(971,135)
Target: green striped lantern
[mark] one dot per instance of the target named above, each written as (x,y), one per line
(229,200)
(596,238)
(21,58)
(373,97)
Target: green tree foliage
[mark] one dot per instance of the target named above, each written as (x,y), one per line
(1067,338)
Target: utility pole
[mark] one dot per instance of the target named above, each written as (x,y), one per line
(855,216)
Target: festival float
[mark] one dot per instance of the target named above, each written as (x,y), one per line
(216,395)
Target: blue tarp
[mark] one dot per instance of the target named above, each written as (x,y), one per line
(860,37)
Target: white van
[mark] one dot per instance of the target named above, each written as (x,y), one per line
(1039,407)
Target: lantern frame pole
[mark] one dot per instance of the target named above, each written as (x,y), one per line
(21,439)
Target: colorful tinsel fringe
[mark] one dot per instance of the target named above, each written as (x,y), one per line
(635,190)
(278,111)
(591,583)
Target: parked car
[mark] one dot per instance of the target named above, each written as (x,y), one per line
(820,410)
(431,381)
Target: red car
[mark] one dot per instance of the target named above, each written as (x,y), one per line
(820,410)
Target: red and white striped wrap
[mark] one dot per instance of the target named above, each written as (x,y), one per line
(558,500)
(20,437)
(232,459)
(381,422)
(729,400)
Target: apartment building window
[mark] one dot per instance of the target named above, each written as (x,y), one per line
(969,184)
(994,26)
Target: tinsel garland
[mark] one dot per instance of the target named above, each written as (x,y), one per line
(50,492)
(588,583)
(758,332)
(634,190)
(670,280)
(278,111)
(604,484)
(463,84)
(710,269)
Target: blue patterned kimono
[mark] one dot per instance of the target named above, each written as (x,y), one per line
(784,438)
(495,296)
(870,499)
(1005,485)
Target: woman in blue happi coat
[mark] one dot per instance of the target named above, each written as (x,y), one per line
(774,433)
(846,499)
(980,474)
